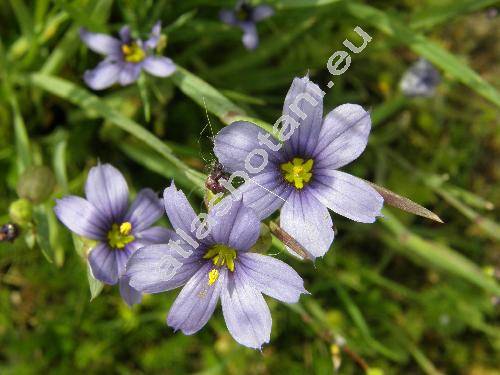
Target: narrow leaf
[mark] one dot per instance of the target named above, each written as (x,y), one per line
(91,103)
(206,95)
(436,255)
(42,232)
(404,204)
(424,47)
(95,285)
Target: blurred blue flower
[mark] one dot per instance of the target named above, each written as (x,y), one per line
(125,58)
(221,265)
(245,17)
(301,175)
(421,79)
(119,231)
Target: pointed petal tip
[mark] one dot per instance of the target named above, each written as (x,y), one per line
(436,218)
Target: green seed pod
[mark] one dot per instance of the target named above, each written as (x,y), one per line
(36,184)
(21,211)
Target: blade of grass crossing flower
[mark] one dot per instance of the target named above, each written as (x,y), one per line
(424,47)
(436,255)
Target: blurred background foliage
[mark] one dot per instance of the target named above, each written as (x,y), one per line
(402,296)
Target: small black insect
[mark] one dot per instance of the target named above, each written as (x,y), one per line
(9,232)
(212,182)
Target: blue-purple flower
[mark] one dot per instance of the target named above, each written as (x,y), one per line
(300,175)
(125,58)
(246,17)
(215,263)
(118,229)
(421,79)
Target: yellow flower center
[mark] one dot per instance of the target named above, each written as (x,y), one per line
(119,236)
(133,53)
(221,255)
(296,172)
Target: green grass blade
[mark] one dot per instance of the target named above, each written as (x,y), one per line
(89,102)
(424,47)
(42,236)
(273,47)
(284,4)
(155,163)
(59,161)
(437,255)
(21,136)
(433,16)
(359,321)
(95,285)
(206,96)
(212,100)
(23,17)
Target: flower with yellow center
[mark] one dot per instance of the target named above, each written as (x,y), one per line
(119,236)
(133,53)
(297,172)
(221,255)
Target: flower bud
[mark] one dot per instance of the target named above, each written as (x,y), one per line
(36,184)
(20,211)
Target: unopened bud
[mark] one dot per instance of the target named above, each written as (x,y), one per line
(21,212)
(36,184)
